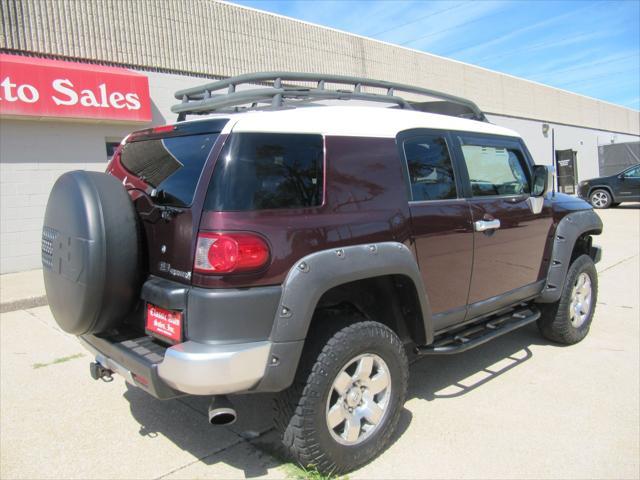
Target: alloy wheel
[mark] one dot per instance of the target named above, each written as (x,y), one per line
(580,305)
(599,199)
(359,399)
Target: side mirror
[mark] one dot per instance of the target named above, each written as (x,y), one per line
(542,180)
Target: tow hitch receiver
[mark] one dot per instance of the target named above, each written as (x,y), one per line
(98,372)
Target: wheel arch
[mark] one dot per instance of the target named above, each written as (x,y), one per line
(572,237)
(389,299)
(329,277)
(602,187)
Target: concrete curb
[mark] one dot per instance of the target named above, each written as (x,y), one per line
(23,304)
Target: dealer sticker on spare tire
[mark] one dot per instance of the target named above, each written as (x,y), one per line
(165,323)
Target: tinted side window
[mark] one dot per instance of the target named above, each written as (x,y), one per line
(171,165)
(633,173)
(429,166)
(268,170)
(495,170)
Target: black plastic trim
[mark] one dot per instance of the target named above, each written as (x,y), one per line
(568,231)
(217,316)
(138,360)
(449,318)
(318,272)
(231,315)
(165,293)
(507,299)
(282,366)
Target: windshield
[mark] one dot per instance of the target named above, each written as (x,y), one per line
(170,165)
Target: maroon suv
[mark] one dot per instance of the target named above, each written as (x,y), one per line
(308,249)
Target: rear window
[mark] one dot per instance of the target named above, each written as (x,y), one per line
(259,171)
(170,165)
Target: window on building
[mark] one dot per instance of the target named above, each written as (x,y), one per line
(430,169)
(111,148)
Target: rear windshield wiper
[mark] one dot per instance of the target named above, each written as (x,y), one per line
(157,211)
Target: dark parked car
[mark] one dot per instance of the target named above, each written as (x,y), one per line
(611,191)
(312,251)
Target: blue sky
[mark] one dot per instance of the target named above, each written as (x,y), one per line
(588,47)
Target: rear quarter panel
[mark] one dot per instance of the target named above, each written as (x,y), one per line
(364,201)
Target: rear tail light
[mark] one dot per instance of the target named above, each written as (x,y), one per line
(218,253)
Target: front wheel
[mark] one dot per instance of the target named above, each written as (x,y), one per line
(568,320)
(600,198)
(346,401)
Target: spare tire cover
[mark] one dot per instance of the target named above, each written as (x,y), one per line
(90,252)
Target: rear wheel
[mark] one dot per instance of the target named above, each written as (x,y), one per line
(600,198)
(345,404)
(568,320)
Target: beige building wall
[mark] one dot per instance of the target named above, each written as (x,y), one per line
(34,153)
(205,37)
(186,41)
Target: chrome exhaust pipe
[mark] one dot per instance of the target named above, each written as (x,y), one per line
(221,412)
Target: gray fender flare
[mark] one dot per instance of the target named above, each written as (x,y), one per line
(318,272)
(568,231)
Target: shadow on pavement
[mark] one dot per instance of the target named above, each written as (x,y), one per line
(628,206)
(254,420)
(449,376)
(433,378)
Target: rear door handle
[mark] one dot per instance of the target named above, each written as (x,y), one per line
(484,225)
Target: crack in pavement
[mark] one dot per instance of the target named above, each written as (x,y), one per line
(240,440)
(617,263)
(220,450)
(248,442)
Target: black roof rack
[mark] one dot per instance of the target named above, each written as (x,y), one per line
(275,94)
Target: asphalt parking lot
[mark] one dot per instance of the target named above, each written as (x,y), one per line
(518,407)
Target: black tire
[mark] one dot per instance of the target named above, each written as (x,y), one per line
(600,198)
(556,322)
(90,252)
(301,411)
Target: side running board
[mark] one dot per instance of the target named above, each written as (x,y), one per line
(480,333)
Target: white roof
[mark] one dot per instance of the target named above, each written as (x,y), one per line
(354,121)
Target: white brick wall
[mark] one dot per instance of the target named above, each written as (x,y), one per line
(33,154)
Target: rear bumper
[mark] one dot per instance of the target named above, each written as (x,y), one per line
(201,369)
(227,349)
(188,368)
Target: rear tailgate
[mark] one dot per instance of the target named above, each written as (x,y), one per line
(162,169)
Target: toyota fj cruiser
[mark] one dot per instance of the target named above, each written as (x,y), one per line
(285,244)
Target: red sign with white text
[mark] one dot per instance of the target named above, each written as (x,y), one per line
(37,87)
(167,323)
